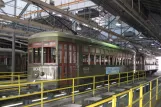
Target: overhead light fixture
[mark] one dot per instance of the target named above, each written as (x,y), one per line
(140,49)
(140,37)
(59,15)
(159,48)
(78,27)
(95,28)
(110,40)
(86,25)
(118,23)
(2,3)
(152,44)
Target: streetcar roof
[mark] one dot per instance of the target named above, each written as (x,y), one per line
(69,35)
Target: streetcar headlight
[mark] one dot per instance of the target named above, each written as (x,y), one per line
(42,73)
(36,74)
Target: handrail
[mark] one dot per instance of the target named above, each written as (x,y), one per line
(74,84)
(131,100)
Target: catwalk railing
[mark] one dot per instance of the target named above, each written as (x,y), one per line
(12,77)
(144,95)
(72,86)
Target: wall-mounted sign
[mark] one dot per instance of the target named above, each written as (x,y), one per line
(112,70)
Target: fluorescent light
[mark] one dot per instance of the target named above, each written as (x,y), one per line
(152,44)
(79,28)
(12,105)
(95,28)
(118,24)
(140,37)
(110,40)
(159,48)
(85,25)
(59,15)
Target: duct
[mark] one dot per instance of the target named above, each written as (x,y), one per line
(7,35)
(10,50)
(15,41)
(10,30)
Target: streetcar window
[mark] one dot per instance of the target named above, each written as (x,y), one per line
(30,55)
(60,53)
(85,59)
(60,56)
(97,59)
(70,57)
(2,60)
(70,54)
(74,57)
(53,55)
(102,60)
(85,49)
(92,59)
(111,62)
(49,55)
(74,54)
(37,55)
(92,50)
(98,50)
(106,60)
(65,56)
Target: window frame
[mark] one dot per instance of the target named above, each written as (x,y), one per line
(31,46)
(51,44)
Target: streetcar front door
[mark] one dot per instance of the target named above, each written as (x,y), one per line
(67,61)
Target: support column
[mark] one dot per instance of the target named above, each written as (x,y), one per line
(134,62)
(13,44)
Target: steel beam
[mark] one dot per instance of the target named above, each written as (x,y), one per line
(67,14)
(3,11)
(26,22)
(24,9)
